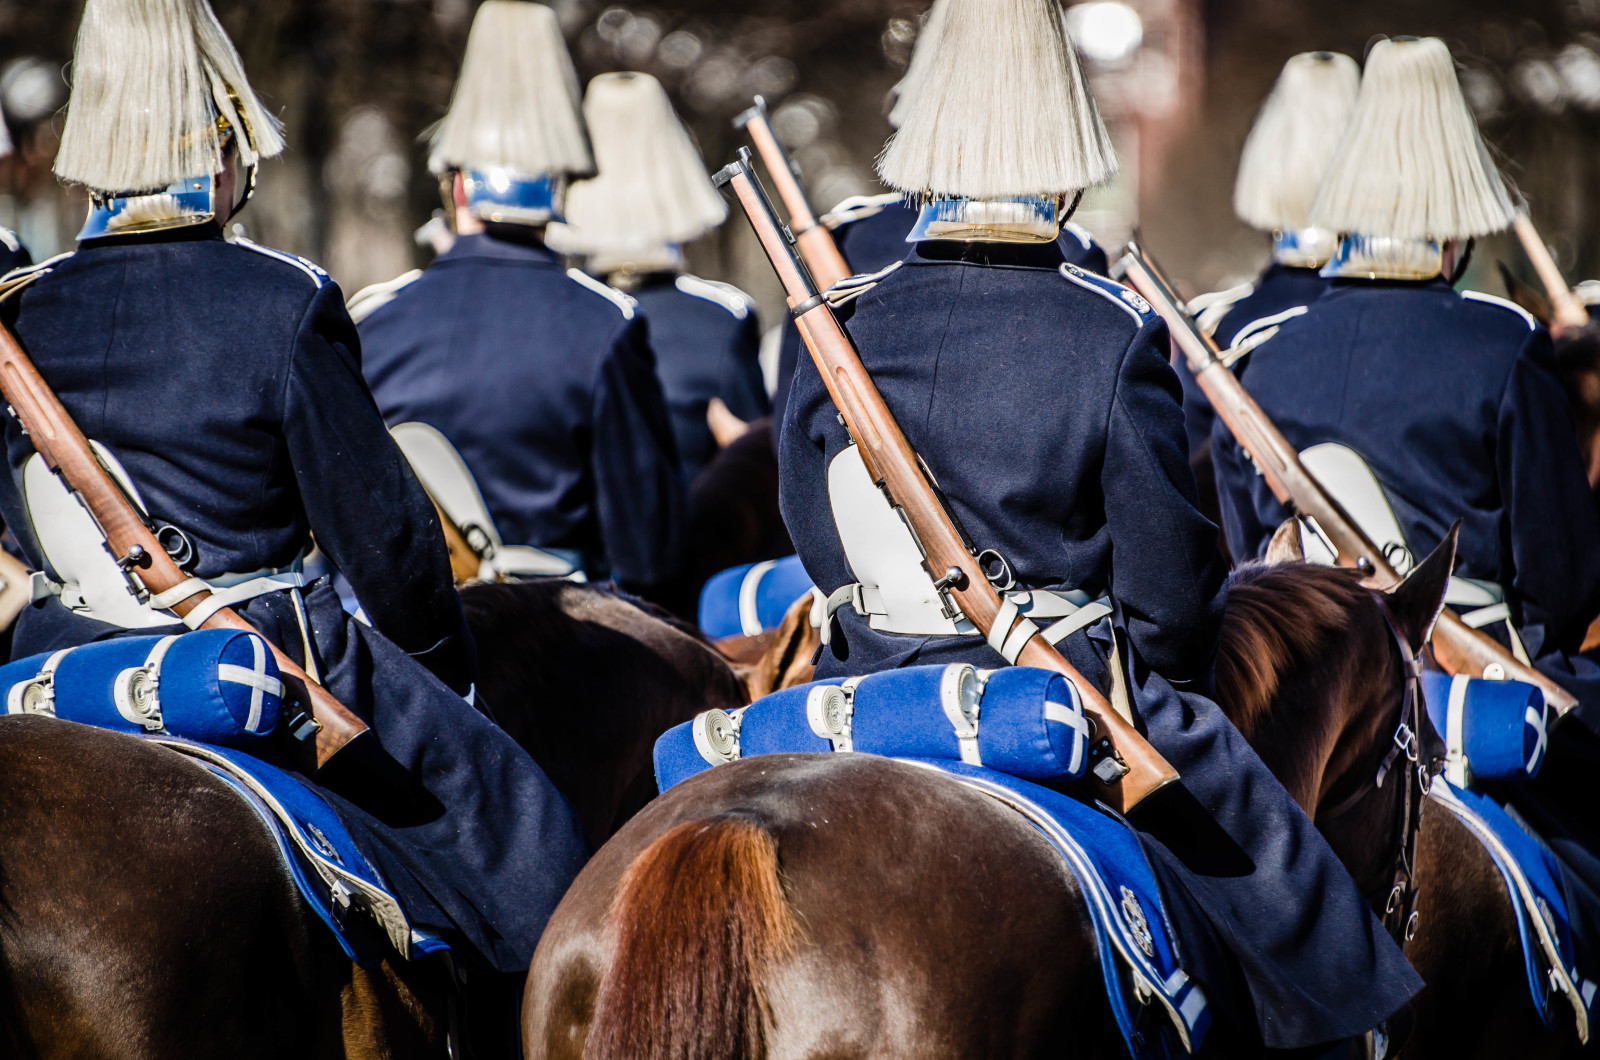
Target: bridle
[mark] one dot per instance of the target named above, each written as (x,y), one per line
(1415,739)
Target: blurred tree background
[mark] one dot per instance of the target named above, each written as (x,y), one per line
(357,81)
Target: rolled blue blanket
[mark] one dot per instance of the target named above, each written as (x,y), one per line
(1019,720)
(1493,730)
(751,598)
(213,685)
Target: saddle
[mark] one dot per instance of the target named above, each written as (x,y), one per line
(997,733)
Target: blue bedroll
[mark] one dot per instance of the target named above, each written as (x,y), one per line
(1493,730)
(332,874)
(213,685)
(1533,881)
(751,598)
(1020,720)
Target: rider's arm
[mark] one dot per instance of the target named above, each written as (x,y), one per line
(367,510)
(1166,572)
(639,491)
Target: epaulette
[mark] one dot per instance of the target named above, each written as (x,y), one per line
(725,295)
(310,268)
(1489,299)
(622,301)
(1080,233)
(1257,332)
(9,238)
(1130,301)
(17,279)
(857,208)
(369,300)
(1209,309)
(852,287)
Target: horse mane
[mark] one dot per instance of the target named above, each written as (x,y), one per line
(1279,618)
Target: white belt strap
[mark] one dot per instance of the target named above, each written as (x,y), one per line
(1082,618)
(235,594)
(1487,616)
(178,594)
(1010,631)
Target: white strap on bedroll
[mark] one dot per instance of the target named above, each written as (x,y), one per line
(961,696)
(256,679)
(1348,478)
(137,690)
(37,696)
(448,480)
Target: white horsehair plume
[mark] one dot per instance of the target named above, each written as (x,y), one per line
(149,78)
(516,102)
(1294,139)
(1003,109)
(652,189)
(1412,164)
(906,89)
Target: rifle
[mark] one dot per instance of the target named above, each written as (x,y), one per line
(811,237)
(1458,647)
(1127,767)
(1566,311)
(132,543)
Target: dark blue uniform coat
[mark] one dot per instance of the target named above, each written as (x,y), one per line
(1456,405)
(707,343)
(1279,289)
(876,241)
(546,386)
(1044,404)
(13,254)
(227,381)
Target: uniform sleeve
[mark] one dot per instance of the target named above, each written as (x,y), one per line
(639,490)
(1250,513)
(743,389)
(1554,529)
(368,512)
(1166,573)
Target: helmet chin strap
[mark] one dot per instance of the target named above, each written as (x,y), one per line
(1464,249)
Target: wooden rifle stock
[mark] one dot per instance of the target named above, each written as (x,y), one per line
(1568,312)
(1459,648)
(67,453)
(811,237)
(891,462)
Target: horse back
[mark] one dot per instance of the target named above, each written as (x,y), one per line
(921,919)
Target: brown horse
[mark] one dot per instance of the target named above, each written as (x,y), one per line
(848,905)
(145,912)
(1290,629)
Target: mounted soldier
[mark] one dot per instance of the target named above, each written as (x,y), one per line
(222,383)
(1431,405)
(1285,156)
(651,196)
(541,378)
(1079,494)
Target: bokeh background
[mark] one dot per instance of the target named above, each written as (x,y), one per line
(1179,81)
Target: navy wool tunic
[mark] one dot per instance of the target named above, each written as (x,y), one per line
(1280,289)
(1455,403)
(13,253)
(707,343)
(1042,400)
(545,382)
(226,380)
(874,241)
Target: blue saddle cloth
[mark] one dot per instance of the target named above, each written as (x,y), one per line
(752,597)
(1532,875)
(332,874)
(1018,716)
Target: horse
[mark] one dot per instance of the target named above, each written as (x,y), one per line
(850,905)
(1292,630)
(145,912)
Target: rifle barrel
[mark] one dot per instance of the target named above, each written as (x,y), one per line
(812,238)
(1569,312)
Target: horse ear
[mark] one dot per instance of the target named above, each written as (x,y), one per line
(1285,544)
(1417,601)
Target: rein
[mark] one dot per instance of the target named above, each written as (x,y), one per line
(1399,913)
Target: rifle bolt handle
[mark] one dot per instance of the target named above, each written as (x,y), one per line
(954,578)
(136,557)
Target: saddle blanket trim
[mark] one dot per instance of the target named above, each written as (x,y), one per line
(1545,946)
(1182,999)
(312,856)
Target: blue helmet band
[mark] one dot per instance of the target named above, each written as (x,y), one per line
(1385,258)
(1012,219)
(190,201)
(500,196)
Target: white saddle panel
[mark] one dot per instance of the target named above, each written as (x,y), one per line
(446,477)
(1345,475)
(75,549)
(882,554)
